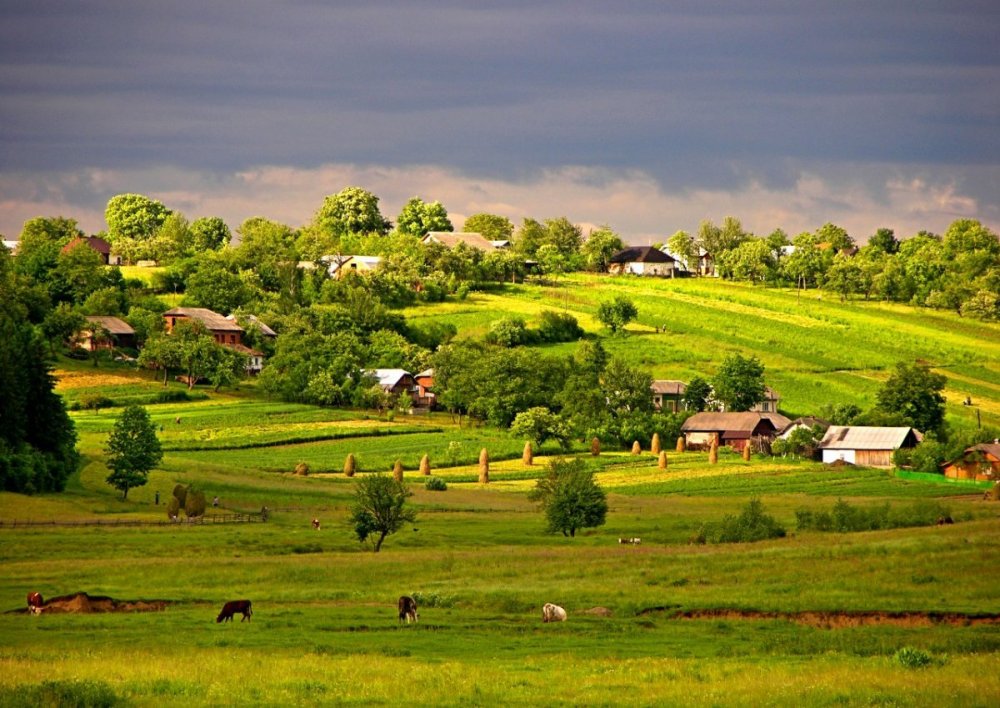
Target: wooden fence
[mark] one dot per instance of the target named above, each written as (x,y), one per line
(211,520)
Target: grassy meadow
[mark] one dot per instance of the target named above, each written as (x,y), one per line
(815,618)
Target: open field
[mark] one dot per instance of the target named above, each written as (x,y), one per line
(815,618)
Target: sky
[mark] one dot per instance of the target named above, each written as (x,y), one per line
(645,115)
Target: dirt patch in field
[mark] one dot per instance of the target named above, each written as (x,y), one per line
(839,620)
(83,603)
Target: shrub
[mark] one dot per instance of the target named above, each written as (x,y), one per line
(911,658)
(82,694)
(752,524)
(95,402)
(177,396)
(436,484)
(558,327)
(845,517)
(508,332)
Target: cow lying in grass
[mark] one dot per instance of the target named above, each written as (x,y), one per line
(553,613)
(232,607)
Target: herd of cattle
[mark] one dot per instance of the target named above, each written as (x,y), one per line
(407,607)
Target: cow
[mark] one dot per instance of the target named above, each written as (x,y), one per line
(408,609)
(553,613)
(35,603)
(634,541)
(232,607)
(315,523)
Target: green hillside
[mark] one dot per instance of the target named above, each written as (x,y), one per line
(816,349)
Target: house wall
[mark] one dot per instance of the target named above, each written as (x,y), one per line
(650,268)
(972,470)
(699,439)
(874,458)
(831,456)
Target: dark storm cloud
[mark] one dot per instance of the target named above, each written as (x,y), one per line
(696,93)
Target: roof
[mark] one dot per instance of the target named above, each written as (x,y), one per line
(244,349)
(745,422)
(641,254)
(668,388)
(806,422)
(425,374)
(388,378)
(212,320)
(264,329)
(451,239)
(113,325)
(865,437)
(95,242)
(992,448)
(770,394)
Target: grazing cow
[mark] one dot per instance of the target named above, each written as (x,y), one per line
(35,603)
(316,524)
(408,609)
(553,613)
(232,607)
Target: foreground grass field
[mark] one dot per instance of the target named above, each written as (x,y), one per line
(897,617)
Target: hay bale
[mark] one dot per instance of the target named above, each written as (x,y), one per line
(180,493)
(484,467)
(350,466)
(713,453)
(654,446)
(680,444)
(528,456)
(425,465)
(636,448)
(173,507)
(746,451)
(195,504)
(302,469)
(397,471)
(595,447)
(663,460)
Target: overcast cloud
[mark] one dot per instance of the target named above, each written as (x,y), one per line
(649,116)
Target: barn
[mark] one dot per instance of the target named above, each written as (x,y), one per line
(980,462)
(733,429)
(869,446)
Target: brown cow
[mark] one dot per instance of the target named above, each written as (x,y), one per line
(408,609)
(232,607)
(35,603)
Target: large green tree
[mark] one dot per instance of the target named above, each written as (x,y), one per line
(210,233)
(491,226)
(616,313)
(914,392)
(419,217)
(380,508)
(351,210)
(739,382)
(134,216)
(571,497)
(600,245)
(132,450)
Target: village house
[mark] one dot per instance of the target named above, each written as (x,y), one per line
(864,445)
(425,397)
(118,333)
(807,422)
(450,239)
(704,264)
(396,382)
(980,462)
(668,395)
(732,429)
(642,260)
(93,242)
(225,332)
(338,265)
(770,402)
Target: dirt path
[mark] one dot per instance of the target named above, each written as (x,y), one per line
(838,620)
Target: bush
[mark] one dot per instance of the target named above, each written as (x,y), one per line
(95,402)
(558,327)
(508,332)
(912,658)
(65,694)
(845,517)
(751,525)
(436,484)
(176,396)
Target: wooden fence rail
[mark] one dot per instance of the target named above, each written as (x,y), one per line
(255,518)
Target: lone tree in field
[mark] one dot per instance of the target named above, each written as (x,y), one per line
(380,508)
(133,450)
(615,314)
(570,497)
(739,383)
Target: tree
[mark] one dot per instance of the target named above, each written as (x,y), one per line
(352,210)
(133,450)
(380,508)
(539,424)
(173,240)
(210,233)
(134,216)
(419,217)
(834,236)
(491,226)
(697,394)
(683,246)
(61,325)
(571,497)
(884,240)
(914,392)
(739,383)
(615,314)
(599,247)
(752,260)
(564,235)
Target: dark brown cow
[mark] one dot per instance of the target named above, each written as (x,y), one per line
(35,603)
(408,609)
(232,607)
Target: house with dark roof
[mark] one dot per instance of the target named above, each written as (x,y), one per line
(642,260)
(225,331)
(869,446)
(732,429)
(980,462)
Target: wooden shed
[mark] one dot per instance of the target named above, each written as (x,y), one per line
(980,462)
(869,446)
(733,429)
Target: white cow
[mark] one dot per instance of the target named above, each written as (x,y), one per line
(553,613)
